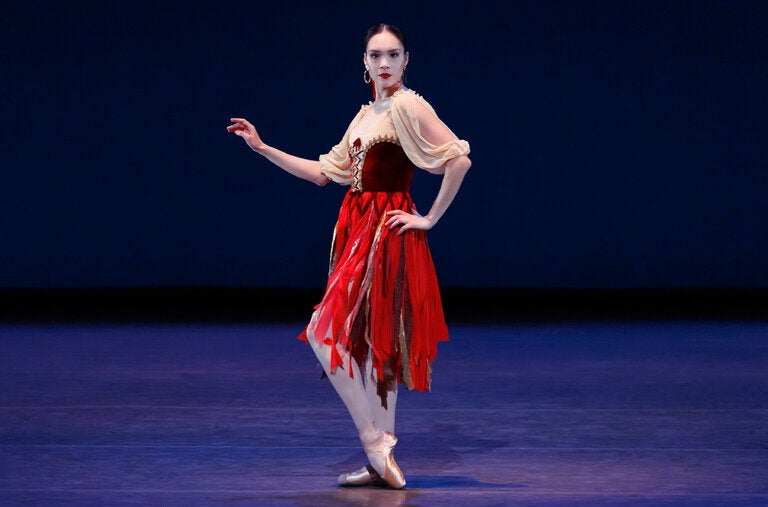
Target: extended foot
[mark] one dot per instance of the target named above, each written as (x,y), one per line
(366,476)
(379,454)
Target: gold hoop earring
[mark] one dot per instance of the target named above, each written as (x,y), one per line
(366,75)
(404,78)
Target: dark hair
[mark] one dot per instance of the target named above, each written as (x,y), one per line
(383,27)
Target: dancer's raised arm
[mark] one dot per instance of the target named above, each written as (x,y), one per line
(300,167)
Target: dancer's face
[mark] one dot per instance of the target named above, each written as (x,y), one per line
(386,59)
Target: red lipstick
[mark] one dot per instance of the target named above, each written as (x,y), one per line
(385,75)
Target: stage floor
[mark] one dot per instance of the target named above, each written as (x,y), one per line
(560,413)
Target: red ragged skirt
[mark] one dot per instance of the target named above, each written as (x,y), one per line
(382,296)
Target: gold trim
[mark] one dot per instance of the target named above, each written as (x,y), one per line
(357,157)
(381,138)
(365,285)
(405,355)
(332,258)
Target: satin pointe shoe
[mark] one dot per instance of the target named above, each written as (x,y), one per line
(380,457)
(366,476)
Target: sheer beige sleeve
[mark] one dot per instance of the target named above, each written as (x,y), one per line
(426,140)
(335,164)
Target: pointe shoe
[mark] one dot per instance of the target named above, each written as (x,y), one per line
(366,476)
(380,456)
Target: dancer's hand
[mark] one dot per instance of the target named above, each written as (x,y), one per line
(243,128)
(407,221)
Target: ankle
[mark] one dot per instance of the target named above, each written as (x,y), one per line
(370,435)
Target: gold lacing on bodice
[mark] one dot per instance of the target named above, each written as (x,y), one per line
(357,155)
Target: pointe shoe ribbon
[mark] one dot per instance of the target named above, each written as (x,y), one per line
(366,476)
(380,456)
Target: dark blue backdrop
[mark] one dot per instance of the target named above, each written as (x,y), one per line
(614,144)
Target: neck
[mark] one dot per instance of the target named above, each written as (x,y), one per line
(383,93)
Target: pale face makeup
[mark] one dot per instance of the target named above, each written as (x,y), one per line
(386,59)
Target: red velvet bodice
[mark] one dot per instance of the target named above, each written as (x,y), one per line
(386,169)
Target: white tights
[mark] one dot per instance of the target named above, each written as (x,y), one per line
(358,392)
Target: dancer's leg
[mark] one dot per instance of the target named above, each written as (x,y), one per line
(350,389)
(384,418)
(377,443)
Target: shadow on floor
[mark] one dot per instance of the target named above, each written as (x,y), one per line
(375,497)
(454,481)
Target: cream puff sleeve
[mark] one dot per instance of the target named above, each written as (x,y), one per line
(426,140)
(335,164)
